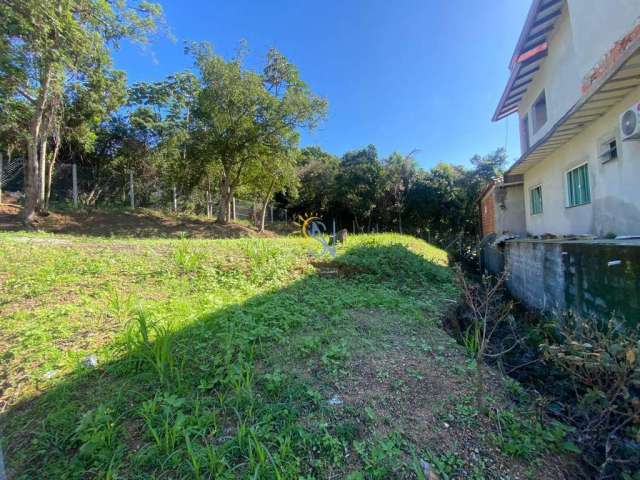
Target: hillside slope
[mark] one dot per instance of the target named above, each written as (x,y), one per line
(245,358)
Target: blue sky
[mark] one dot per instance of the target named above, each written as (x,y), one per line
(402,74)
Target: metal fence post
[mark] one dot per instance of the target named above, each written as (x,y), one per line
(131,192)
(74,179)
(175,200)
(233,200)
(334,231)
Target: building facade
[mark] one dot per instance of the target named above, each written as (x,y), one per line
(572,199)
(575,71)
(502,207)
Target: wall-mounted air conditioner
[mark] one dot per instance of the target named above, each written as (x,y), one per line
(630,123)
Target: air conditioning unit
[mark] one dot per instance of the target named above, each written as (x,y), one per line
(630,123)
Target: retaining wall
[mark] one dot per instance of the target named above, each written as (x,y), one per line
(593,278)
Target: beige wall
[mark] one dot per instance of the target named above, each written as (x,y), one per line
(615,185)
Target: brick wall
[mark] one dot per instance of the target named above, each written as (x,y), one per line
(488,214)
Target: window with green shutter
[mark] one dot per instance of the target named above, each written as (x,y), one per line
(536,200)
(578,192)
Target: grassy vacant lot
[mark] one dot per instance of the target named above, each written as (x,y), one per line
(243,358)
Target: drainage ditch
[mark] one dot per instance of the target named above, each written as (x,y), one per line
(588,379)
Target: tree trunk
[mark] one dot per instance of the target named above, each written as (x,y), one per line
(226,193)
(50,167)
(265,203)
(42,172)
(263,215)
(175,200)
(207,199)
(32,180)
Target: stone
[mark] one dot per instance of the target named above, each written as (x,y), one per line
(90,361)
(429,474)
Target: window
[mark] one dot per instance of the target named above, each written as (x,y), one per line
(608,149)
(578,192)
(539,112)
(536,200)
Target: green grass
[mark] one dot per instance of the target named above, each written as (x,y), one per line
(218,358)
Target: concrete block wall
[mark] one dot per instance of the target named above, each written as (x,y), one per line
(593,278)
(536,274)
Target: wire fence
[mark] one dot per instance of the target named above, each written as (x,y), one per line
(10,169)
(81,186)
(252,211)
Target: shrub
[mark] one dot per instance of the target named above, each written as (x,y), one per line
(523,437)
(601,361)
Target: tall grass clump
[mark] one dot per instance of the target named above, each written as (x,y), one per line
(151,344)
(188,259)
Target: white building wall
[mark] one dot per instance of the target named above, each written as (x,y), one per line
(579,41)
(557,77)
(597,25)
(615,185)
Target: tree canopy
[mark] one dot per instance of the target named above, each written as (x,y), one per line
(199,137)
(59,50)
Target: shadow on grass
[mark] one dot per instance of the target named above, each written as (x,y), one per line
(205,399)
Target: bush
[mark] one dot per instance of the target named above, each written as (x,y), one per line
(523,437)
(601,361)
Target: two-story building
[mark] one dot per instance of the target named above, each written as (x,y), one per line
(574,72)
(575,86)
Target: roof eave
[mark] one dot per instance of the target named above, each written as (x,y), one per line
(632,50)
(518,62)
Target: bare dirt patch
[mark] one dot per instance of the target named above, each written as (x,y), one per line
(338,270)
(419,383)
(141,224)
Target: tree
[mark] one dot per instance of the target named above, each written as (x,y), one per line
(317,172)
(164,110)
(358,184)
(489,166)
(399,174)
(76,115)
(43,45)
(444,200)
(241,116)
(487,311)
(275,173)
